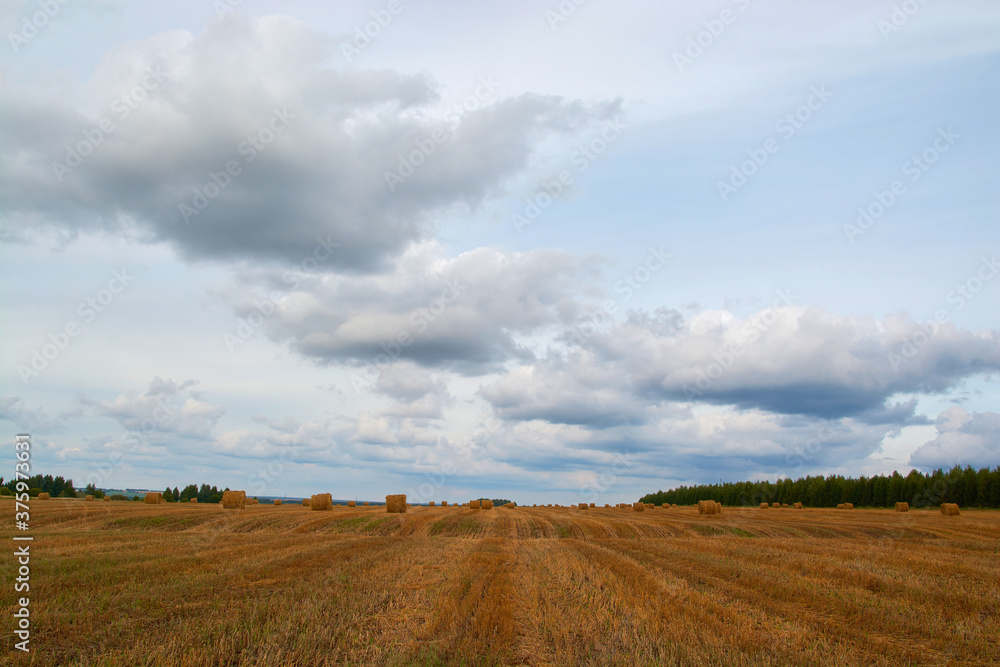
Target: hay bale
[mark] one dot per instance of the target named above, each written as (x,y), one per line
(321,502)
(797,506)
(106,498)
(194,500)
(89,497)
(845,506)
(366,503)
(253,501)
(43,495)
(305,502)
(674,505)
(354,503)
(775,505)
(949,509)
(764,506)
(784,506)
(902,507)
(444,503)
(709,507)
(395,504)
(473,504)
(486,504)
(234,500)
(153,498)
(430,504)
(584,506)
(277,501)
(591,504)
(638,507)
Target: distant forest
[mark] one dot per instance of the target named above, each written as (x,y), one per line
(966,486)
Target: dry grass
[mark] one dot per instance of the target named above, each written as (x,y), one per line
(321,502)
(234,500)
(153,498)
(949,509)
(172,584)
(396,504)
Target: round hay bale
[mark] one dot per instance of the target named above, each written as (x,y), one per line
(638,507)
(44,495)
(444,503)
(775,505)
(430,504)
(584,506)
(949,509)
(396,504)
(89,497)
(107,498)
(902,507)
(234,500)
(764,506)
(797,506)
(366,503)
(321,502)
(486,504)
(784,506)
(354,503)
(153,498)
(305,502)
(473,504)
(709,507)
(195,500)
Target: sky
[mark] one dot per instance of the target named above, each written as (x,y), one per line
(545,251)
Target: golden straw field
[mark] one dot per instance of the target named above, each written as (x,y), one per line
(123,583)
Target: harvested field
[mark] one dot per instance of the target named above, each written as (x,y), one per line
(191,584)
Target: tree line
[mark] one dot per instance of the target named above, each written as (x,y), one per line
(965,486)
(58,487)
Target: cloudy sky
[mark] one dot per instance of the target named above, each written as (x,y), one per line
(543,251)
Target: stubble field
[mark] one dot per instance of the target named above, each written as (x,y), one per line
(117,583)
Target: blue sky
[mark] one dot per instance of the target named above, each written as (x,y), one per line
(642,331)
